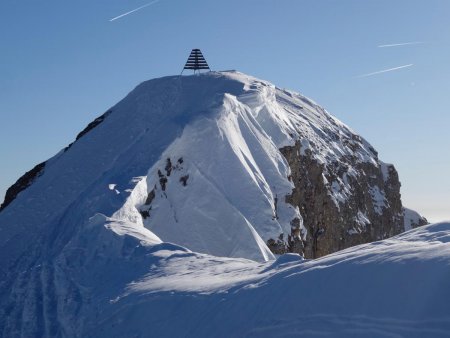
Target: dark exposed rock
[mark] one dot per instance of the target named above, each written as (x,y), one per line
(163,181)
(168,167)
(150,197)
(370,211)
(295,244)
(183,180)
(21,184)
(420,222)
(144,213)
(27,179)
(92,125)
(89,127)
(277,246)
(413,219)
(275,207)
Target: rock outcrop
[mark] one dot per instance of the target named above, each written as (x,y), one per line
(21,184)
(28,178)
(343,203)
(413,219)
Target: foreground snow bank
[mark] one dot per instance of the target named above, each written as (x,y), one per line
(394,287)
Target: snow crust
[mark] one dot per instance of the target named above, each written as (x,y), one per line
(395,287)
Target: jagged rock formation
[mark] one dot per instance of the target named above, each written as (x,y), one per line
(343,203)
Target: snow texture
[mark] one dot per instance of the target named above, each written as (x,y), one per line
(224,190)
(395,287)
(85,252)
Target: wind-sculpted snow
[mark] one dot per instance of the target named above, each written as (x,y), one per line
(206,149)
(395,287)
(205,162)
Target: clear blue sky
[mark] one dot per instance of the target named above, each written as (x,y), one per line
(62,63)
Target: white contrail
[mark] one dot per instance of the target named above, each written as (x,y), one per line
(402,44)
(134,10)
(386,70)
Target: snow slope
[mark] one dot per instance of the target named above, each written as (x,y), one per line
(397,287)
(169,116)
(85,252)
(135,287)
(236,176)
(177,155)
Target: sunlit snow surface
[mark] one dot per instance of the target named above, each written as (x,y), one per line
(392,288)
(77,259)
(225,128)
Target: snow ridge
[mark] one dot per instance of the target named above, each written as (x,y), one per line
(227,128)
(195,161)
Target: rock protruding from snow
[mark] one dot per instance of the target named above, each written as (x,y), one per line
(413,219)
(21,184)
(343,202)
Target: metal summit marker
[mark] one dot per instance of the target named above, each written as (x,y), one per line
(196,61)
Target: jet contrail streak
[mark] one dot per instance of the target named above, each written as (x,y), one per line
(134,10)
(385,70)
(402,44)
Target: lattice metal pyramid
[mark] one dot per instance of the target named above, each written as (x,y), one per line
(196,61)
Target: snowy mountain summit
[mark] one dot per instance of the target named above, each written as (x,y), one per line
(221,163)
(218,164)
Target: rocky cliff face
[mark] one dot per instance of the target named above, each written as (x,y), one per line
(343,203)
(345,195)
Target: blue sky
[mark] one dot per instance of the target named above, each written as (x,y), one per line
(62,63)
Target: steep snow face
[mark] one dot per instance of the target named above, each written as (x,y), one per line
(75,184)
(219,187)
(197,161)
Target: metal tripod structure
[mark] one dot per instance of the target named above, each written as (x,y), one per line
(196,61)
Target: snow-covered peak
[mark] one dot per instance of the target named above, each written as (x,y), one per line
(194,159)
(218,164)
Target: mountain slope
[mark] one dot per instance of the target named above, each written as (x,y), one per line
(180,153)
(394,287)
(136,286)
(222,163)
